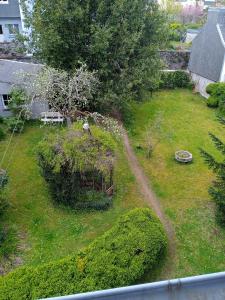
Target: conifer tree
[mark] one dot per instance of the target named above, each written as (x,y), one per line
(217,189)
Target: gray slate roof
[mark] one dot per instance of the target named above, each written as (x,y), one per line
(207,53)
(10,10)
(9,70)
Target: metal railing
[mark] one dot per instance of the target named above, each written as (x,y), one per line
(205,287)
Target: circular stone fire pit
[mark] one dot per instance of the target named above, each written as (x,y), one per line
(183,156)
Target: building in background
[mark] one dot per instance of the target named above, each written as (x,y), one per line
(10,20)
(207,60)
(9,71)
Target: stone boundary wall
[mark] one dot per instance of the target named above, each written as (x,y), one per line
(175,60)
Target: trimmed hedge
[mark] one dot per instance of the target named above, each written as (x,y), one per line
(121,256)
(176,79)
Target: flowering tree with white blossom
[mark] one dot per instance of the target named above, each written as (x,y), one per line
(69,94)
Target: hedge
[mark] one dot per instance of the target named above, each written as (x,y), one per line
(176,79)
(217,95)
(212,102)
(135,244)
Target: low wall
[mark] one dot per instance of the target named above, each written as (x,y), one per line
(175,60)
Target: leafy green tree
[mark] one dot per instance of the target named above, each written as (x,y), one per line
(18,103)
(217,190)
(117,38)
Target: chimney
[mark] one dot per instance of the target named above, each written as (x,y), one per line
(216,16)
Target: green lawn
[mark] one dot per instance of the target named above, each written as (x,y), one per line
(46,231)
(182,189)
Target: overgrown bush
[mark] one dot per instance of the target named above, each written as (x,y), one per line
(75,163)
(176,79)
(17,104)
(176,32)
(93,200)
(15,125)
(136,244)
(217,91)
(212,101)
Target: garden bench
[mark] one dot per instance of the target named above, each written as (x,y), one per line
(51,117)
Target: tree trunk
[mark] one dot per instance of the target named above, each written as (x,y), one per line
(68,121)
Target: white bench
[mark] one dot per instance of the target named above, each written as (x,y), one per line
(51,117)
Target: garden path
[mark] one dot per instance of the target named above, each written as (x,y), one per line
(148,194)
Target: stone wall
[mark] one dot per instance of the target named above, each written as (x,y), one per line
(175,60)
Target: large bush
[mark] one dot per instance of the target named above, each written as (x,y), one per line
(15,125)
(217,93)
(120,257)
(212,101)
(175,79)
(18,103)
(78,166)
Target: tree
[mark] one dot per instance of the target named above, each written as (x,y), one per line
(17,104)
(217,190)
(117,38)
(65,93)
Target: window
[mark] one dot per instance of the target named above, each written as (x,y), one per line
(13,28)
(5,101)
(4,1)
(1,30)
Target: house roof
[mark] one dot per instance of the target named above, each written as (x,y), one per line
(10,10)
(205,287)
(208,49)
(9,71)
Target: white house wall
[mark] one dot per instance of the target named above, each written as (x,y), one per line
(201,84)
(6,21)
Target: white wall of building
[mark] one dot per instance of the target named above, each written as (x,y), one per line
(201,84)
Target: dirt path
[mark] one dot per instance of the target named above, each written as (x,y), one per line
(148,194)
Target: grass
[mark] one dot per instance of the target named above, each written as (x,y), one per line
(183,189)
(46,231)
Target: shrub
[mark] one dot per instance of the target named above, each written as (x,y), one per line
(120,257)
(1,120)
(94,201)
(17,103)
(217,91)
(15,125)
(222,105)
(212,101)
(75,163)
(176,79)
(176,32)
